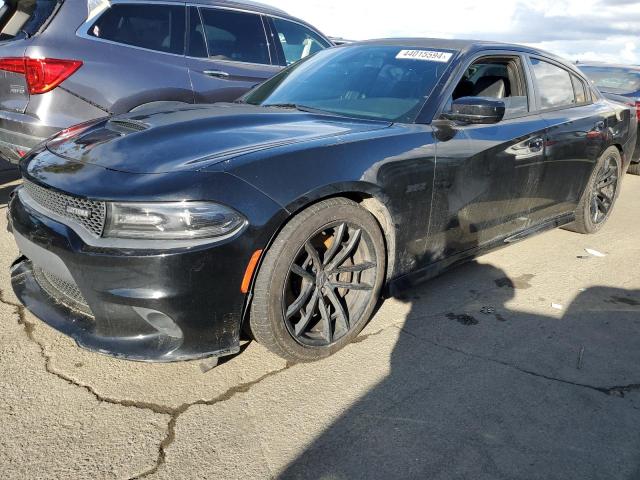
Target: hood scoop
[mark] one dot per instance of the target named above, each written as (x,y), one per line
(124,125)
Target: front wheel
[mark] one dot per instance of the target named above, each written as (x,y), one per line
(600,196)
(319,282)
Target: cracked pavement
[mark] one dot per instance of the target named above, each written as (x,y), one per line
(471,375)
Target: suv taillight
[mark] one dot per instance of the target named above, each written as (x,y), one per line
(638,110)
(42,74)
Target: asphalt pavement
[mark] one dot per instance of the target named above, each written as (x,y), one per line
(524,364)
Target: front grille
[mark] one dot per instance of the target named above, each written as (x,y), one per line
(62,291)
(88,213)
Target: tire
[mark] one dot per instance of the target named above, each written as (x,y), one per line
(587,221)
(289,278)
(634,169)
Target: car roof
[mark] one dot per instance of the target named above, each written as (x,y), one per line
(457,44)
(241,4)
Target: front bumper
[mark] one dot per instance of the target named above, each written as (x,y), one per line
(147,306)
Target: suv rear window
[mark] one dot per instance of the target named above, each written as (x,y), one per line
(154,27)
(23,18)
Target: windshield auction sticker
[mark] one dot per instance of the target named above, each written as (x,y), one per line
(424,55)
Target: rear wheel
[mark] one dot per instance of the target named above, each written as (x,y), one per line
(634,168)
(320,281)
(601,194)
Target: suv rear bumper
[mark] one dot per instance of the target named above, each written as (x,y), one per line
(20,133)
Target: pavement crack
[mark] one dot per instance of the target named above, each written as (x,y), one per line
(29,328)
(177,412)
(617,391)
(362,338)
(173,412)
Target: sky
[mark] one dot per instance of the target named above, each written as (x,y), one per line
(584,30)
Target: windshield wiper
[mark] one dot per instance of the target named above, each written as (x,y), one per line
(291,106)
(301,108)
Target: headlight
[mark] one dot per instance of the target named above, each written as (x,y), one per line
(171,221)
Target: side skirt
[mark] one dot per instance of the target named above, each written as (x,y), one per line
(398,285)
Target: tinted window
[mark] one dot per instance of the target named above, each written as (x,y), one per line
(24,17)
(614,80)
(297,41)
(197,44)
(155,27)
(235,36)
(367,82)
(579,89)
(499,78)
(554,85)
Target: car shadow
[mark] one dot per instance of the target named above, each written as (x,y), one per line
(479,390)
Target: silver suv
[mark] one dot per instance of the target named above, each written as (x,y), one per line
(63,62)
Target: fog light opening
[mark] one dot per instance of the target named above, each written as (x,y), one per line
(161,322)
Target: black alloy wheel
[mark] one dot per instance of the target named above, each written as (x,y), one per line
(605,189)
(330,283)
(600,195)
(319,282)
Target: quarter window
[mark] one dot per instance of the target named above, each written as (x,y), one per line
(297,41)
(555,86)
(579,89)
(154,27)
(235,36)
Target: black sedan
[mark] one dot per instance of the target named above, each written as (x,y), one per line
(162,235)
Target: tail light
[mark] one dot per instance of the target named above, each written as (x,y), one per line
(638,110)
(42,74)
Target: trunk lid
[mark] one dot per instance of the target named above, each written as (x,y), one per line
(192,138)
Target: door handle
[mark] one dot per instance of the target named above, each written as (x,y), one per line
(216,73)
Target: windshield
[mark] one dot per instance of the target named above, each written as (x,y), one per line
(614,80)
(371,82)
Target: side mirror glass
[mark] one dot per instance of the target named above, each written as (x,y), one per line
(476,110)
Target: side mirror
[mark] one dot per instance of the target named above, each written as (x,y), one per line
(476,110)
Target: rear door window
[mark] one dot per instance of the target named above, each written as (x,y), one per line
(153,27)
(22,18)
(235,36)
(297,41)
(555,87)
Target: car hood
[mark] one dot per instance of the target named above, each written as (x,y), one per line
(195,137)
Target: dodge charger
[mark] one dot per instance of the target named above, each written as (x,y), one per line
(167,233)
